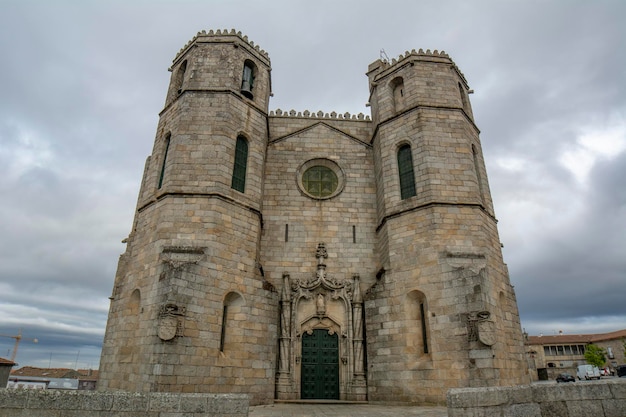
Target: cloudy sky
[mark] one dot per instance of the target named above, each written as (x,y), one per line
(82,83)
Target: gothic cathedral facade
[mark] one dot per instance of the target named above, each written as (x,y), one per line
(312,255)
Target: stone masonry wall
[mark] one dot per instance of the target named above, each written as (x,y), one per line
(605,398)
(14,403)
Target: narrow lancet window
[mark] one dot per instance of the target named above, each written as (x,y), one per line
(405,169)
(241,160)
(167,147)
(424,332)
(223,334)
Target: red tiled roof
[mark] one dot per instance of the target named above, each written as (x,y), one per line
(46,372)
(89,373)
(575,338)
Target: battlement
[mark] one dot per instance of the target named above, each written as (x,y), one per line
(222,33)
(319,115)
(435,55)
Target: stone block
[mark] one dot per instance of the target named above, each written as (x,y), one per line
(163,402)
(10,398)
(96,401)
(614,408)
(584,408)
(553,409)
(53,400)
(618,388)
(523,410)
(130,401)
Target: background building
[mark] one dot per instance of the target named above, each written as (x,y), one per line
(313,255)
(551,355)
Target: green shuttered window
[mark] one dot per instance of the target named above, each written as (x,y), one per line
(241,161)
(405,168)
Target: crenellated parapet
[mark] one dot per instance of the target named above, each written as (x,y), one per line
(219,33)
(420,54)
(319,115)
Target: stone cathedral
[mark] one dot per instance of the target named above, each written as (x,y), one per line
(311,255)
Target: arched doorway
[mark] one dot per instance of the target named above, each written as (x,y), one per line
(320,365)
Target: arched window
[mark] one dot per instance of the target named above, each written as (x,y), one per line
(247,79)
(418,328)
(167,147)
(405,169)
(180,77)
(397,87)
(241,160)
(231,314)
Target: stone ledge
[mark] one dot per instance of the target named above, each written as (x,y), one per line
(606,398)
(94,403)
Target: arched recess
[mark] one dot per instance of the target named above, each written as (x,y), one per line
(134,303)
(463,97)
(180,77)
(479,178)
(231,332)
(417,325)
(397,92)
(128,351)
(247,79)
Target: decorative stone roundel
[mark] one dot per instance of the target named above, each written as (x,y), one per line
(320,179)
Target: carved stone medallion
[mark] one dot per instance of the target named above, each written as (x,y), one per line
(487,332)
(168,326)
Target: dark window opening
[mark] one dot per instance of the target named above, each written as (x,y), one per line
(286,233)
(353,234)
(241,160)
(247,79)
(223,334)
(424,335)
(167,147)
(405,169)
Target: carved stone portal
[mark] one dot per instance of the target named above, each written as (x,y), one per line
(321,302)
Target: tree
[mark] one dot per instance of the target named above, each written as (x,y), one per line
(595,355)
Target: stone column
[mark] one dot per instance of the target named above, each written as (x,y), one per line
(284,383)
(359,385)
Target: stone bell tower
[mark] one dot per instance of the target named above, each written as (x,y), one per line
(189,282)
(442,313)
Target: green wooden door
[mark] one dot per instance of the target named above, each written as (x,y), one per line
(320,365)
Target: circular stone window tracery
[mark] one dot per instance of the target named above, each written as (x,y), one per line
(320,179)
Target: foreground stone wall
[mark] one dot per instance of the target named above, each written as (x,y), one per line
(606,398)
(16,403)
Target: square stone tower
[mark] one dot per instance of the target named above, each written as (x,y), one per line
(299,255)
